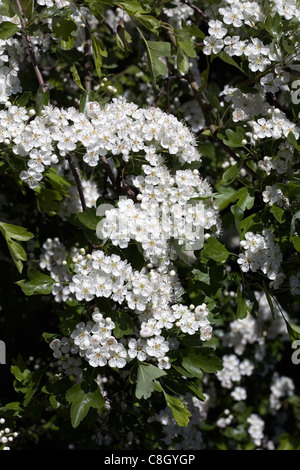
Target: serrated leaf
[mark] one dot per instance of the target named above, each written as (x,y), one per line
(133,7)
(37,284)
(63,28)
(246,302)
(149,22)
(182,62)
(99,51)
(41,100)
(88,218)
(274,26)
(229,60)
(27,7)
(234,138)
(11,233)
(156,50)
(213,249)
(15,231)
(231,173)
(7,29)
(123,322)
(293,330)
(296,242)
(81,401)
(278,213)
(146,374)
(179,409)
(123,39)
(76,78)
(200,359)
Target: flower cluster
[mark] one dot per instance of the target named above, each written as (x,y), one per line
(7,436)
(233,370)
(256,429)
(54,259)
(282,162)
(152,296)
(281,387)
(119,128)
(168,209)
(274,195)
(255,331)
(262,253)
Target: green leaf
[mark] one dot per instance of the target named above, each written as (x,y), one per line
(191,364)
(15,231)
(7,29)
(238,214)
(213,249)
(56,180)
(293,330)
(12,233)
(296,242)
(81,401)
(76,78)
(183,39)
(183,62)
(246,302)
(63,28)
(41,100)
(48,200)
(292,140)
(253,221)
(123,322)
(179,409)
(37,284)
(234,138)
(197,359)
(48,337)
(23,99)
(146,374)
(99,51)
(245,199)
(155,50)
(226,196)
(27,7)
(278,213)
(149,22)
(293,223)
(231,173)
(274,26)
(123,39)
(89,218)
(133,7)
(201,276)
(229,60)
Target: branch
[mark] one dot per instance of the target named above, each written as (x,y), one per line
(78,183)
(87,63)
(80,192)
(233,155)
(38,73)
(198,10)
(130,193)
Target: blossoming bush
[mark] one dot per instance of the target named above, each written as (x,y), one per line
(149,224)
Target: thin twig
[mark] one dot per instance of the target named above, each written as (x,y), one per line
(80,193)
(233,155)
(78,183)
(87,62)
(37,71)
(198,10)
